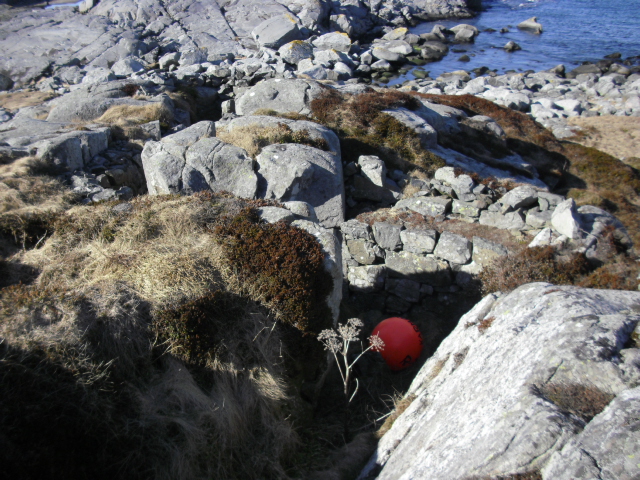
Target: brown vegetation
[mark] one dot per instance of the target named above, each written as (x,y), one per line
(538,264)
(364,129)
(24,98)
(582,401)
(199,387)
(127,115)
(618,136)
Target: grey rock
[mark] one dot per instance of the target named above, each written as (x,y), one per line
(276,214)
(127,67)
(428,206)
(295,51)
(356,229)
(538,219)
(508,221)
(168,59)
(333,41)
(427,134)
(433,50)
(5,82)
(410,266)
(418,241)
(512,46)
(301,209)
(299,172)
(382,53)
(364,189)
(283,96)
(332,249)
(565,219)
(366,279)
(486,251)
(520,197)
(442,118)
(71,151)
(387,235)
(98,75)
(464,33)
(606,448)
(537,335)
(189,136)
(407,290)
(373,168)
(468,209)
(545,237)
(453,248)
(381,66)
(363,251)
(276,31)
(531,25)
(217,166)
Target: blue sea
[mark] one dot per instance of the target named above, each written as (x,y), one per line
(574,31)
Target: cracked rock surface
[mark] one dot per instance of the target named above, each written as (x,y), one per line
(478,408)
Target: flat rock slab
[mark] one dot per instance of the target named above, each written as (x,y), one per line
(283,96)
(428,206)
(299,172)
(478,411)
(419,268)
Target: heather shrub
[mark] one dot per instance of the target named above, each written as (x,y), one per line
(538,264)
(580,400)
(285,264)
(364,130)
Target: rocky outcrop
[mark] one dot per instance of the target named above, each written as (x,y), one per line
(500,395)
(192,160)
(282,96)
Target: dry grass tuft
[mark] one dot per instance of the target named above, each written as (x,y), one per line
(582,401)
(24,98)
(538,264)
(400,405)
(253,138)
(128,115)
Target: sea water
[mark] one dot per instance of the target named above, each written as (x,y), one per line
(574,31)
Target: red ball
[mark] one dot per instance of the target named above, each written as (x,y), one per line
(402,342)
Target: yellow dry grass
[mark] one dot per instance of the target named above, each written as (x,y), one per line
(100,276)
(23,98)
(127,115)
(616,135)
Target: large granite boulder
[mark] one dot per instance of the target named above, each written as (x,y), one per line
(300,172)
(192,160)
(518,387)
(276,31)
(315,131)
(283,96)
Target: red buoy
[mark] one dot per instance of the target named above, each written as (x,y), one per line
(402,342)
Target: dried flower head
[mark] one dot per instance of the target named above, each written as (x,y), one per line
(351,330)
(330,340)
(377,344)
